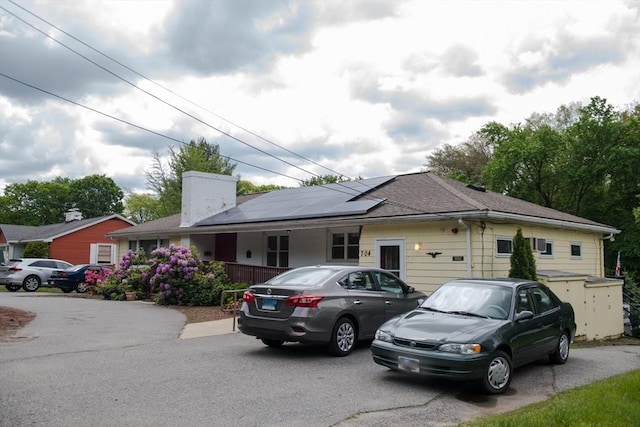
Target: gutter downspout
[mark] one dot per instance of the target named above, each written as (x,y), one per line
(468,236)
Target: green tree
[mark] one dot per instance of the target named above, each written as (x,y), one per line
(142,208)
(166,180)
(40,203)
(584,160)
(36,250)
(324,179)
(96,195)
(523,265)
(463,162)
(247,187)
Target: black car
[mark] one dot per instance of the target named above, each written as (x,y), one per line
(75,278)
(478,330)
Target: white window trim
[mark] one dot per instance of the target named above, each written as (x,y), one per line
(553,250)
(579,244)
(504,254)
(345,246)
(93,253)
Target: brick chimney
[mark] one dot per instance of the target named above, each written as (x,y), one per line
(204,195)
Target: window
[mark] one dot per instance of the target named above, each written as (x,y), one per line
(576,250)
(548,251)
(148,245)
(360,280)
(102,253)
(278,251)
(389,283)
(504,246)
(345,246)
(542,300)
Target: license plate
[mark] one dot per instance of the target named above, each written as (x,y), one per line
(268,304)
(408,364)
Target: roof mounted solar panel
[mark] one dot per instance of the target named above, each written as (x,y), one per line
(304,202)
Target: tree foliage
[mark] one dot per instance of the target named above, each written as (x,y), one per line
(463,162)
(142,207)
(166,179)
(523,264)
(247,187)
(585,160)
(40,203)
(324,179)
(36,250)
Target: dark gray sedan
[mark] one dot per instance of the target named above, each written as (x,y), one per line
(478,330)
(328,304)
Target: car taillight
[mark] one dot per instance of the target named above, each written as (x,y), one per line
(310,301)
(16,268)
(248,297)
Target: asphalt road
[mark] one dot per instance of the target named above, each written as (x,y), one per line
(106,363)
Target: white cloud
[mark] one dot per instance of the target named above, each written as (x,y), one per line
(364,88)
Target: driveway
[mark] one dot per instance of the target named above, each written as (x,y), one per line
(107,363)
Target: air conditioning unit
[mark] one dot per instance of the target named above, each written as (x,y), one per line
(540,245)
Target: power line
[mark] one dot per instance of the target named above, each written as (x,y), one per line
(349,190)
(174,93)
(135,125)
(160,99)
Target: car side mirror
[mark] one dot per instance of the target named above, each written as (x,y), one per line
(411,290)
(524,315)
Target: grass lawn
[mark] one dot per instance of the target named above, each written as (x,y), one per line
(611,402)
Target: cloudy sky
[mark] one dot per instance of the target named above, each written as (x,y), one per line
(360,88)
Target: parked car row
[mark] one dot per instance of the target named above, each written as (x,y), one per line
(32,273)
(472,329)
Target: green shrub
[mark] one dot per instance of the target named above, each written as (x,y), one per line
(523,265)
(36,250)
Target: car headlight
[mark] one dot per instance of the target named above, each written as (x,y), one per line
(461,348)
(383,336)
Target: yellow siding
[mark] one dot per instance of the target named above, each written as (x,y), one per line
(449,238)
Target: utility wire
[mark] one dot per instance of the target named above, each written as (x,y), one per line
(162,100)
(176,94)
(135,125)
(349,190)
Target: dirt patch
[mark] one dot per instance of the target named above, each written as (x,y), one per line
(202,314)
(12,319)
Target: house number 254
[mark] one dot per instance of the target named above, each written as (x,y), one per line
(365,253)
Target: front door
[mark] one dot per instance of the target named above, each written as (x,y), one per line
(390,256)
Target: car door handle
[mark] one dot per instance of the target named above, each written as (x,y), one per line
(388,302)
(357,302)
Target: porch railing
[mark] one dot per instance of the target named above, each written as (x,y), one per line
(251,274)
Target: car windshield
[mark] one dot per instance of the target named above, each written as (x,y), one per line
(302,277)
(471,299)
(77,267)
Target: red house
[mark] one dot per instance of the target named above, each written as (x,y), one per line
(77,240)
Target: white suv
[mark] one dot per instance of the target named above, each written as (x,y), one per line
(29,273)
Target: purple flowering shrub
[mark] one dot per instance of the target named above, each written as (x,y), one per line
(131,275)
(173,270)
(173,276)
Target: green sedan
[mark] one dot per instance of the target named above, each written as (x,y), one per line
(480,330)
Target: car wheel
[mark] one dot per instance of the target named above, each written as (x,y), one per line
(271,343)
(31,283)
(561,355)
(343,338)
(497,377)
(12,288)
(82,288)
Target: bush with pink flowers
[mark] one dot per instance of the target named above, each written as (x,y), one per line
(172,276)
